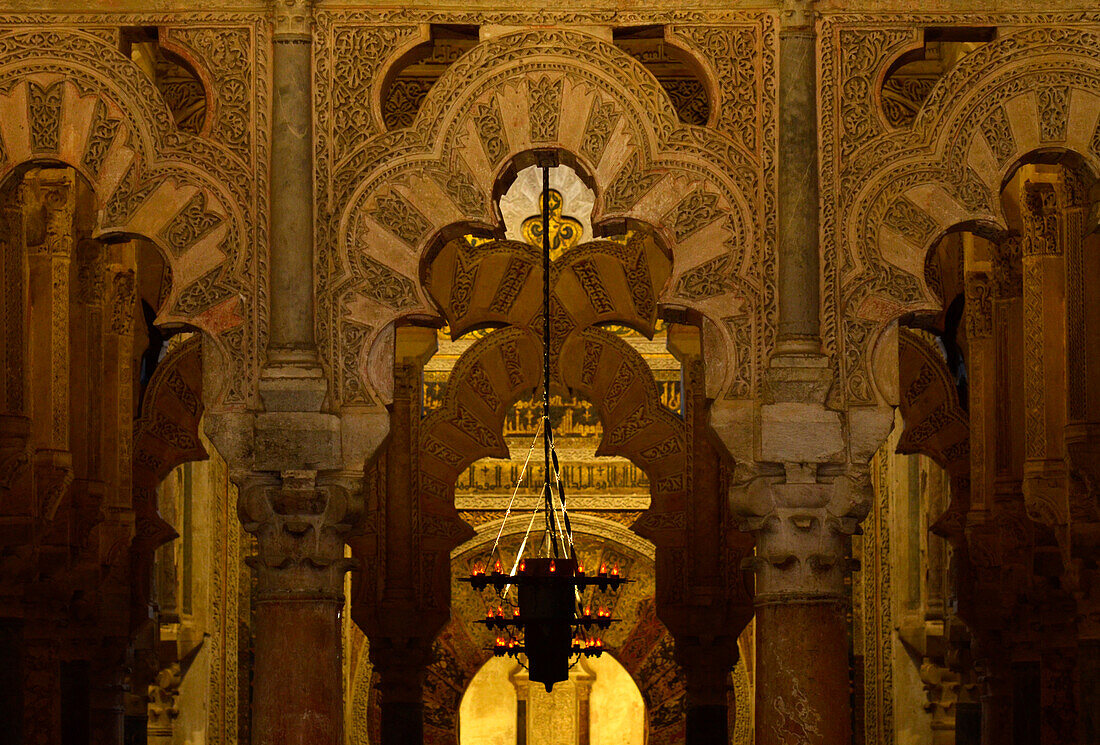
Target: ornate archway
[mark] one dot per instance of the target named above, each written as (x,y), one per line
(565,91)
(70,96)
(897,191)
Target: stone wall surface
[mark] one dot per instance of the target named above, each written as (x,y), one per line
(834,219)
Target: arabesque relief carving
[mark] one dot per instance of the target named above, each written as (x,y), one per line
(949,163)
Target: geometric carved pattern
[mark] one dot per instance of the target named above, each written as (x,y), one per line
(1053,112)
(694,212)
(385,285)
(707,280)
(910,220)
(100,137)
(998,133)
(545,96)
(397,215)
(490,128)
(602,118)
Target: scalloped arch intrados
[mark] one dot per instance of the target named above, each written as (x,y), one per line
(980,121)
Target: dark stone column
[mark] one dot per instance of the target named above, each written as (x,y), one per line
(798,203)
(401,665)
(292,184)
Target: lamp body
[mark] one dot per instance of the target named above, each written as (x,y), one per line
(547,606)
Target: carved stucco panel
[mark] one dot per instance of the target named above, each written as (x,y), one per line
(945,163)
(104,117)
(480,114)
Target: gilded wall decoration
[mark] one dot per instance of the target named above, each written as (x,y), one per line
(998,102)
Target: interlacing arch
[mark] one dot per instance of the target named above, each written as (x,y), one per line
(71,97)
(1032,89)
(596,283)
(403,192)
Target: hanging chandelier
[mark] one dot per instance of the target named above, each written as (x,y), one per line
(541,611)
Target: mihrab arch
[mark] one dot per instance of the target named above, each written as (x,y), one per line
(562,90)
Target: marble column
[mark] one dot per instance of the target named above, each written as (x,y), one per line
(803,528)
(287,459)
(299,522)
(798,204)
(291,289)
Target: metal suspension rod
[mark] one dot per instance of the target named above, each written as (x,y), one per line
(547,493)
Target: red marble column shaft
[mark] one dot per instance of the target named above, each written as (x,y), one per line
(802,688)
(296,695)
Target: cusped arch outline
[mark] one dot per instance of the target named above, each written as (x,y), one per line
(532,90)
(642,644)
(1033,89)
(71,97)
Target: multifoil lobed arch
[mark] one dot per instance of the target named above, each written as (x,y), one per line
(69,96)
(496,370)
(544,90)
(1032,89)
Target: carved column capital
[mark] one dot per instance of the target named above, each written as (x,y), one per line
(292,19)
(300,520)
(797,16)
(162,711)
(802,530)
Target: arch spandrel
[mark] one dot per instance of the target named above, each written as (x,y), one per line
(561,90)
(70,96)
(898,193)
